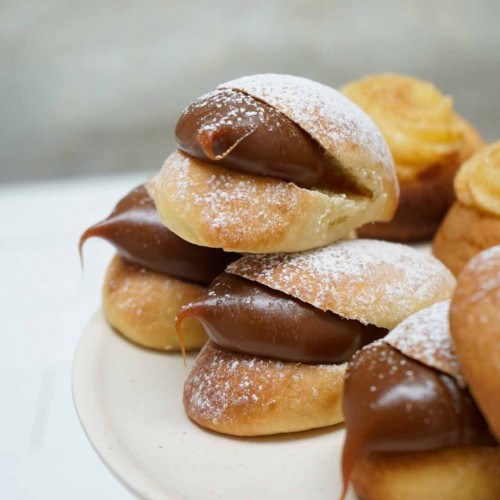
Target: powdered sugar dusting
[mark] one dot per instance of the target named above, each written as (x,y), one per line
(240,109)
(224,386)
(425,337)
(136,293)
(375,282)
(241,209)
(333,120)
(213,206)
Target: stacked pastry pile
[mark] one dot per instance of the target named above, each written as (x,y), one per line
(283,170)
(273,163)
(283,326)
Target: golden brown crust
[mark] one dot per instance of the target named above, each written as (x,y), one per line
(246,395)
(425,337)
(217,207)
(475,328)
(375,282)
(142,306)
(464,233)
(214,206)
(456,473)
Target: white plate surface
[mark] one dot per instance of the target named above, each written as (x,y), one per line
(129,401)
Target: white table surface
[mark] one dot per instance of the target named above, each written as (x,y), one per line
(45,304)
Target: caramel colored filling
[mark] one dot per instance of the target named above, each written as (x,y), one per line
(244,316)
(393,403)
(237,131)
(136,232)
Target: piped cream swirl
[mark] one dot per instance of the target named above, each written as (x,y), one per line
(418,122)
(477,184)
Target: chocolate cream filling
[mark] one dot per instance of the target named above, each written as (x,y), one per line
(237,131)
(135,230)
(393,403)
(244,316)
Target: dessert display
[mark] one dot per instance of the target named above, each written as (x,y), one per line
(473,223)
(274,163)
(242,245)
(428,140)
(475,328)
(153,274)
(283,326)
(413,429)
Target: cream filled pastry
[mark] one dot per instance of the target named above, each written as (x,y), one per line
(428,140)
(283,326)
(244,316)
(272,163)
(153,274)
(473,223)
(413,429)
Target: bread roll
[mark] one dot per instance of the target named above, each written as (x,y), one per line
(142,304)
(475,328)
(413,429)
(245,395)
(371,282)
(215,206)
(457,473)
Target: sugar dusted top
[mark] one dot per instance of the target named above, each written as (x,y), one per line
(241,105)
(235,130)
(302,100)
(425,337)
(210,205)
(342,128)
(372,281)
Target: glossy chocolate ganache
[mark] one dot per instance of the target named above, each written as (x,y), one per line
(135,230)
(244,316)
(393,403)
(237,131)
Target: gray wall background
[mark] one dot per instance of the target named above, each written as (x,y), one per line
(96,86)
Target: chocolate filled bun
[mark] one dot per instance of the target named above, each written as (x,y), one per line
(428,141)
(237,131)
(135,230)
(154,273)
(272,163)
(295,312)
(475,328)
(244,316)
(405,397)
